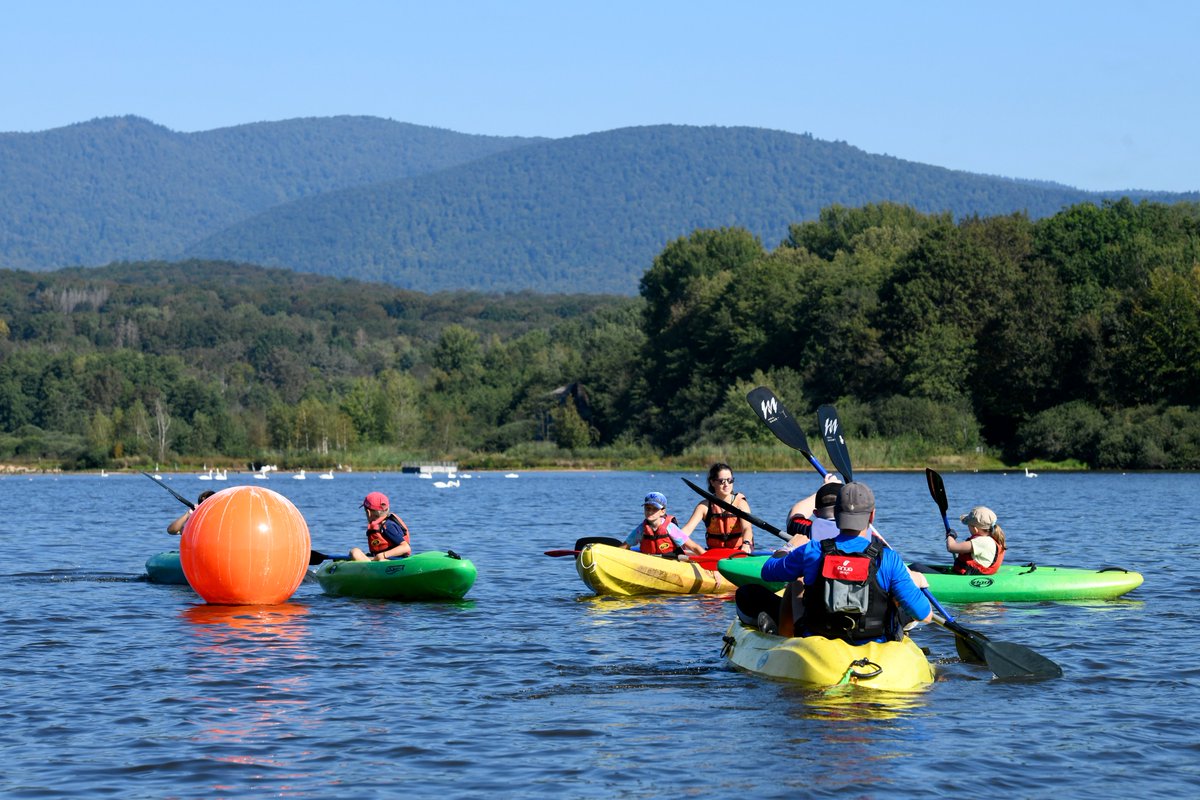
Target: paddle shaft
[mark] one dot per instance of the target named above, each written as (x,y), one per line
(178,496)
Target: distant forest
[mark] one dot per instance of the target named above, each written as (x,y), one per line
(1073,338)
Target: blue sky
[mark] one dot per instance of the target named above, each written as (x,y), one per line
(1097,95)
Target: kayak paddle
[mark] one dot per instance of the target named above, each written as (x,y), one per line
(770,410)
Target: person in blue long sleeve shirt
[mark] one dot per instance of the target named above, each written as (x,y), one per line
(854,512)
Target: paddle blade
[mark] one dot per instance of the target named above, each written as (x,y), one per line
(586,540)
(561,553)
(771,411)
(1016,662)
(937,490)
(835,443)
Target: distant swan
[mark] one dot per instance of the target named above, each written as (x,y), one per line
(326,476)
(299,476)
(1029,474)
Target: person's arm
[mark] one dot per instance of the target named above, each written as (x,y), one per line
(634,539)
(395,535)
(400,550)
(683,540)
(805,508)
(904,589)
(176,526)
(697,514)
(956,547)
(784,568)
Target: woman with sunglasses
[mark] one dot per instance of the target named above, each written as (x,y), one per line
(721,527)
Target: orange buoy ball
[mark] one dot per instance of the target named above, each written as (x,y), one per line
(245,546)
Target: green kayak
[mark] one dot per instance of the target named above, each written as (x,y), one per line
(165,568)
(1012,583)
(424,576)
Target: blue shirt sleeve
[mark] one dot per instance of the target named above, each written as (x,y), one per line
(896,581)
(634,539)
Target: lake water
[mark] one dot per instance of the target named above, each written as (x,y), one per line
(533,688)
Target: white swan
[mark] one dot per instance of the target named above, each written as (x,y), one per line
(207,477)
(326,476)
(1029,474)
(299,476)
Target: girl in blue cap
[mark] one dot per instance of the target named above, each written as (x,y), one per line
(658,534)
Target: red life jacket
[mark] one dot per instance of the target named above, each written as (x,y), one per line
(722,527)
(965,565)
(657,541)
(376,541)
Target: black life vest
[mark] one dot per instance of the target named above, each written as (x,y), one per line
(846,601)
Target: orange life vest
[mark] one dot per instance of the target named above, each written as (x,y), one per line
(965,565)
(723,529)
(376,541)
(658,541)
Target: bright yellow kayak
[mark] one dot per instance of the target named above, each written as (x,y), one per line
(617,571)
(819,662)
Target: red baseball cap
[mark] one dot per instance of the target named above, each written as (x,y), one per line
(376,501)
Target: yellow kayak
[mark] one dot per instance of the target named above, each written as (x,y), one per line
(617,571)
(819,662)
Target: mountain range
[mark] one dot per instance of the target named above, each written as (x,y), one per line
(431,209)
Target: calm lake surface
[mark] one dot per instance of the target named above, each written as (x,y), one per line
(531,687)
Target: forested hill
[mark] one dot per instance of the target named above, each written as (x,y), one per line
(431,210)
(124,188)
(592,211)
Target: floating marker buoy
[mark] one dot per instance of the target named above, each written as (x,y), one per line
(245,545)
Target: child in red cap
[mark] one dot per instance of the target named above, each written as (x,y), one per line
(387,535)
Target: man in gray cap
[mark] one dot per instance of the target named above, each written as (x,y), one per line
(852,581)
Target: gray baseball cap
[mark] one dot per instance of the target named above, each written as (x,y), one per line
(854,505)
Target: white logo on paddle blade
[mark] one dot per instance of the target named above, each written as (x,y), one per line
(769,408)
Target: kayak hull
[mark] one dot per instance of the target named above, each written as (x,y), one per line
(1011,583)
(609,570)
(166,568)
(423,576)
(817,662)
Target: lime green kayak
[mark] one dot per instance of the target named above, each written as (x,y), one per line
(815,661)
(1012,583)
(165,568)
(424,576)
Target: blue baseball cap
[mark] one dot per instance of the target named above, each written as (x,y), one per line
(655,499)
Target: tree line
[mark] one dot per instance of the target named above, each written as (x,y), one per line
(1071,338)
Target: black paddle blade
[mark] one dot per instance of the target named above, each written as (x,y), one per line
(581,543)
(771,411)
(937,490)
(835,443)
(1016,662)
